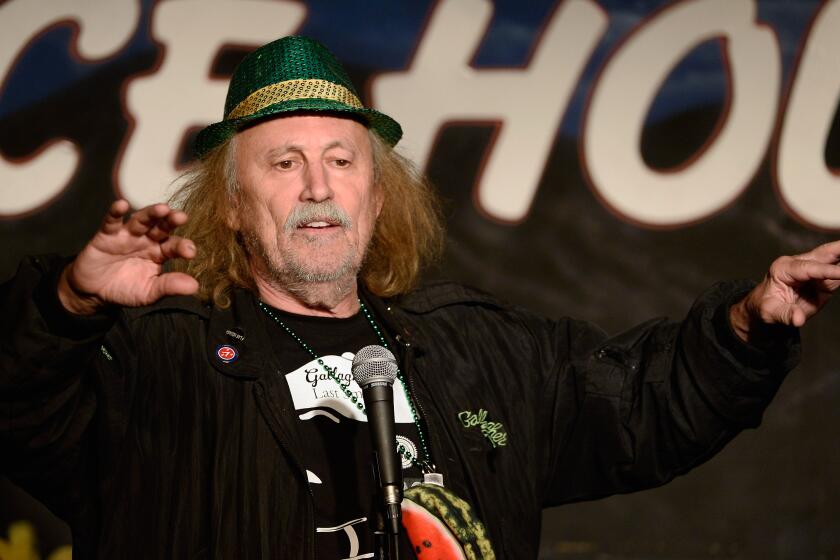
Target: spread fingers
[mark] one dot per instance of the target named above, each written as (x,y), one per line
(176,247)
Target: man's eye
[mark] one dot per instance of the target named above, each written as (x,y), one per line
(342,162)
(285,164)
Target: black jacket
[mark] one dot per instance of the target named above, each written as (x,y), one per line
(129,427)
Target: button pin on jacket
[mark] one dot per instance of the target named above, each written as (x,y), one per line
(227,353)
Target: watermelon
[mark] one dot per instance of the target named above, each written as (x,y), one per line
(429,537)
(441,526)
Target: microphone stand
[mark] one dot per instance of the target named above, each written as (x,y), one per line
(386,535)
(381,542)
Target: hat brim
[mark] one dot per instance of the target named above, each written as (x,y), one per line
(215,134)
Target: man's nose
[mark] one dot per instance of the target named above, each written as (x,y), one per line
(317,187)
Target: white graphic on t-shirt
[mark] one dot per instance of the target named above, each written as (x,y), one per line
(313,413)
(312,478)
(312,388)
(350,531)
(410,447)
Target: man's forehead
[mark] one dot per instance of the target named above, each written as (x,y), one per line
(307,131)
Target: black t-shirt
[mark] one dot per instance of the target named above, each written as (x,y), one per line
(337,455)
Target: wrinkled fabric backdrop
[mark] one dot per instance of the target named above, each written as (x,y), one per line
(605,160)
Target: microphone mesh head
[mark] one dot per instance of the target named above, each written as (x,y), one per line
(374,364)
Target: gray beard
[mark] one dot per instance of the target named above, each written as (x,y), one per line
(317,289)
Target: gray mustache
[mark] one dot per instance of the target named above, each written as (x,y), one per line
(326,211)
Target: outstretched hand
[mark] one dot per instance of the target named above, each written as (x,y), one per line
(793,291)
(123,263)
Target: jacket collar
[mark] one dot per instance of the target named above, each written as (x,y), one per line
(238,344)
(397,329)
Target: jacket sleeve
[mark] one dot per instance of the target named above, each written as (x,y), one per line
(634,411)
(48,393)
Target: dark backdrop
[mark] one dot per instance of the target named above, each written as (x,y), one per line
(770,494)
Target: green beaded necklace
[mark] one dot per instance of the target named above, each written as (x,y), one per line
(425,465)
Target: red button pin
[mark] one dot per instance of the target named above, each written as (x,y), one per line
(227,353)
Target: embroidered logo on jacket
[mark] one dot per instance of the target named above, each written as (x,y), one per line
(493,431)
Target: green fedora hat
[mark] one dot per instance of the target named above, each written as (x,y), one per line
(292,74)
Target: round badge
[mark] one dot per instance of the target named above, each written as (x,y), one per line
(409,447)
(226,353)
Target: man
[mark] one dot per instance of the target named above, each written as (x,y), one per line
(227,425)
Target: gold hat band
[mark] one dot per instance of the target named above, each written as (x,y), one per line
(291,90)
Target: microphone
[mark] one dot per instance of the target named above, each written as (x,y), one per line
(374,369)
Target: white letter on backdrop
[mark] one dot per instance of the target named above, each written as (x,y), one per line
(628,86)
(104,26)
(806,185)
(441,86)
(181,94)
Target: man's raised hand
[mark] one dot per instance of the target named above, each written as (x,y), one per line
(123,263)
(794,289)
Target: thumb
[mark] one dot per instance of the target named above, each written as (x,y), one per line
(174,284)
(786,314)
(797,316)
